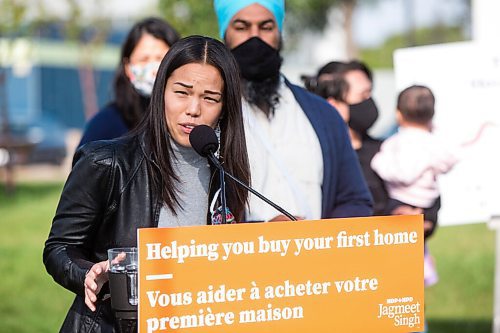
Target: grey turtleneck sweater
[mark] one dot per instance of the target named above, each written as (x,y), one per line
(193,172)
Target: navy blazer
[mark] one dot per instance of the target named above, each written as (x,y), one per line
(344,189)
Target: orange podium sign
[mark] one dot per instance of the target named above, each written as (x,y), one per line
(339,275)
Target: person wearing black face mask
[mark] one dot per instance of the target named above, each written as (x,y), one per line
(363,113)
(348,87)
(260,68)
(362,116)
(286,126)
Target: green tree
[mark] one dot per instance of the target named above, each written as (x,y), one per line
(313,15)
(90,35)
(11,24)
(190,17)
(382,56)
(198,17)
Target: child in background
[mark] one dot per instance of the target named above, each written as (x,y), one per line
(410,161)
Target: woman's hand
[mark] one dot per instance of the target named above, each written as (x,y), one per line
(95,278)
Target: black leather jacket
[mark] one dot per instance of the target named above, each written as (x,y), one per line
(107,197)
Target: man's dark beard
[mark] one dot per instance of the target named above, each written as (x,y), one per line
(263,94)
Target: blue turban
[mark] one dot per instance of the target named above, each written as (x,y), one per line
(226,9)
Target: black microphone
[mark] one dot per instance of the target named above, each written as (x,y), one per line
(204,141)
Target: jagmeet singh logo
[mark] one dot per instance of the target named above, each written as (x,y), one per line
(402,310)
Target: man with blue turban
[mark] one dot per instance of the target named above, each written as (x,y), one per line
(298,146)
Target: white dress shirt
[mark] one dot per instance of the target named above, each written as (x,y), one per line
(286,161)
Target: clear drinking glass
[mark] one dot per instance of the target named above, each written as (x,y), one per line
(123,276)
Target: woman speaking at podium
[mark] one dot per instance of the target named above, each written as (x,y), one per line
(151,178)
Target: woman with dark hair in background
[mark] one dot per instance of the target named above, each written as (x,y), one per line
(145,46)
(150,178)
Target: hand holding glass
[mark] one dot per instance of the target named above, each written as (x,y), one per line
(123,281)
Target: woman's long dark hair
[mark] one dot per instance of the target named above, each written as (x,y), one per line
(130,104)
(202,50)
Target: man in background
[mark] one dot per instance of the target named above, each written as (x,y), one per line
(299,149)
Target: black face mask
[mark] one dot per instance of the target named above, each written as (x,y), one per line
(257,60)
(363,115)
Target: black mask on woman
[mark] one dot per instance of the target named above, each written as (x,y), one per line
(362,116)
(257,60)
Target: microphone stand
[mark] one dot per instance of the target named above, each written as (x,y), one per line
(127,325)
(217,164)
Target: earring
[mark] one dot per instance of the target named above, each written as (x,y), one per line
(217,133)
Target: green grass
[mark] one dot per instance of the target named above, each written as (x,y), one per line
(31,300)
(461,302)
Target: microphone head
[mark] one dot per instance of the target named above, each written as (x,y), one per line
(203,140)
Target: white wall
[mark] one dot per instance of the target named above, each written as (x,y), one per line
(465,78)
